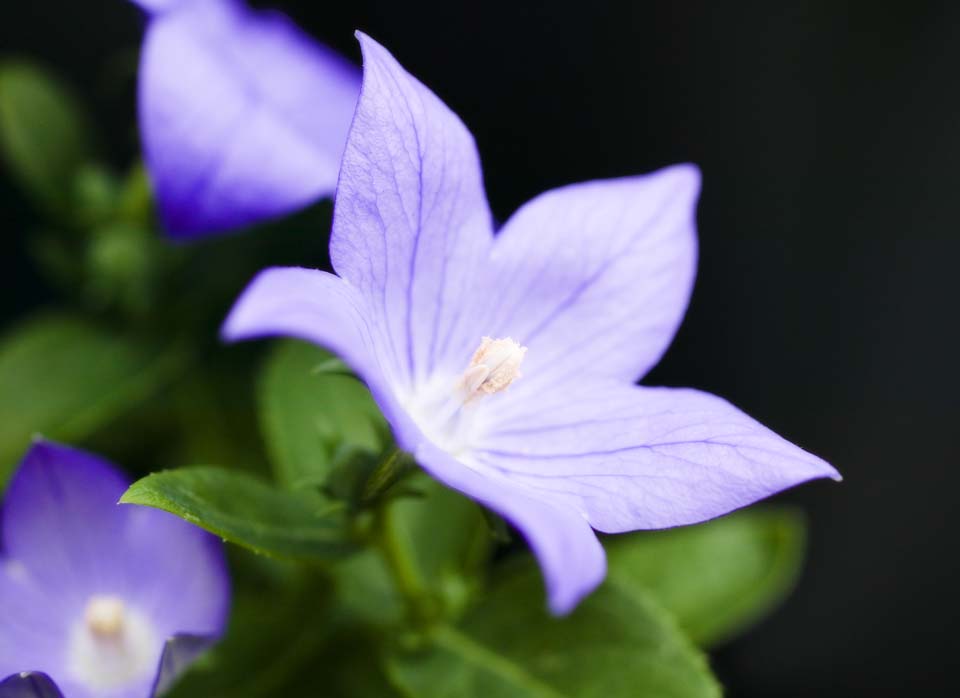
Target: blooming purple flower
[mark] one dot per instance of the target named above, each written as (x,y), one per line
(243,117)
(582,290)
(95,598)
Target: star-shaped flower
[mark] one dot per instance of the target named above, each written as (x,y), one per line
(99,599)
(583,289)
(243,116)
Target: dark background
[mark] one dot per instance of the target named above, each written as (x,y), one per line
(826,302)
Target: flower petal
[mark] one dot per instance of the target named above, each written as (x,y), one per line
(61,520)
(324,309)
(411,218)
(29,685)
(631,458)
(33,627)
(175,572)
(243,117)
(594,278)
(568,551)
(155,6)
(178,654)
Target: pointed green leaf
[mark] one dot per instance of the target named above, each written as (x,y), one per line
(718,577)
(310,410)
(616,644)
(247,511)
(65,378)
(43,133)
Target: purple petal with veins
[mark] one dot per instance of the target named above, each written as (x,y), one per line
(243,117)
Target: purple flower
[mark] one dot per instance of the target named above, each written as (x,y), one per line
(243,117)
(582,290)
(91,592)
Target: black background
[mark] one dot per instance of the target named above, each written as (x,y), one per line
(829,136)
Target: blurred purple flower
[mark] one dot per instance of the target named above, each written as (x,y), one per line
(592,278)
(95,598)
(243,117)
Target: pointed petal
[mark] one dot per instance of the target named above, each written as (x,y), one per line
(633,458)
(243,117)
(411,219)
(155,6)
(307,304)
(568,551)
(594,278)
(29,685)
(324,309)
(61,520)
(178,654)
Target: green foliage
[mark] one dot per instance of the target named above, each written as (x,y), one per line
(616,644)
(65,377)
(244,510)
(313,413)
(44,137)
(447,541)
(350,667)
(278,627)
(367,592)
(436,545)
(716,578)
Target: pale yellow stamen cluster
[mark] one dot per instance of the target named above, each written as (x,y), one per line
(494,366)
(105,617)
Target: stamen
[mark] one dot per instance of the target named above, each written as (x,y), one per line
(105,617)
(494,366)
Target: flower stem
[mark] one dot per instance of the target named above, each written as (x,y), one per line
(399,560)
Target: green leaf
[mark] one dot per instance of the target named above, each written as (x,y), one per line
(43,133)
(247,511)
(617,644)
(66,378)
(310,413)
(716,578)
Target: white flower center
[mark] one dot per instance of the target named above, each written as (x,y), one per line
(445,408)
(112,645)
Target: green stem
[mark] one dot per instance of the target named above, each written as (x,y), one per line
(399,562)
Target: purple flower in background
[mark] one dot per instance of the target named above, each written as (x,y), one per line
(243,117)
(98,599)
(582,289)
